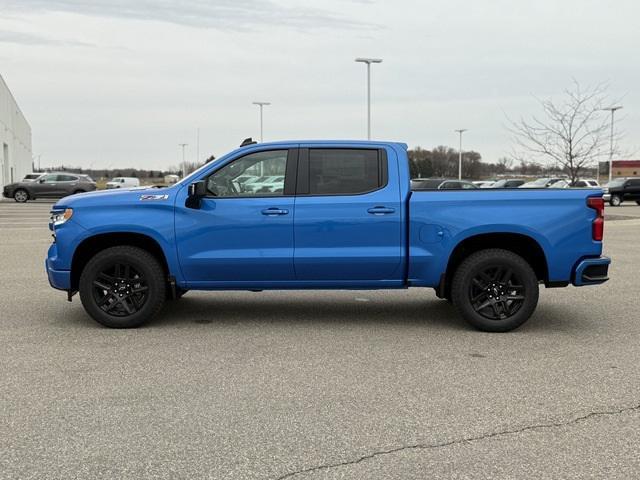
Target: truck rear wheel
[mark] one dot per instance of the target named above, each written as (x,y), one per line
(122,287)
(495,290)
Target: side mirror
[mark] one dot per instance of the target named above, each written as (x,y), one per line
(197,190)
(41,180)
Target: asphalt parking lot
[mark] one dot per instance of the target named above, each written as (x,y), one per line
(319,384)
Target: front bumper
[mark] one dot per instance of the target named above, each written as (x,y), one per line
(59,279)
(591,271)
(606,197)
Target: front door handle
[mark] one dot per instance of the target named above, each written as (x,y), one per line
(273,211)
(381,210)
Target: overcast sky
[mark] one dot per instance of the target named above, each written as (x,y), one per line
(122,82)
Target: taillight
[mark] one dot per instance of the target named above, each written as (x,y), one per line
(597,203)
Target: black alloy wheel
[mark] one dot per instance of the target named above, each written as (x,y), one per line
(120,290)
(123,286)
(496,293)
(495,290)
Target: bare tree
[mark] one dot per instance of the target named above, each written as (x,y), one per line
(573,132)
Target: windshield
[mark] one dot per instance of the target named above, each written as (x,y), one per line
(196,172)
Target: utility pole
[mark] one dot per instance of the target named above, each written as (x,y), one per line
(184,165)
(613,111)
(261,104)
(460,131)
(368,62)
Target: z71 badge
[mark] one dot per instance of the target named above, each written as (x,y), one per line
(154,197)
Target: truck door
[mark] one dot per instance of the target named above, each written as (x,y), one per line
(241,235)
(633,188)
(348,222)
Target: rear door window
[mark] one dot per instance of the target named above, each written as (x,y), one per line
(336,171)
(66,178)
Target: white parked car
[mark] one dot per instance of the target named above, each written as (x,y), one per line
(123,182)
(31,177)
(484,183)
(586,183)
(265,184)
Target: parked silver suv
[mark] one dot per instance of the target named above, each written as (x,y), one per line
(49,185)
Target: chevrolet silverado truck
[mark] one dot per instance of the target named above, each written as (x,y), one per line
(334,215)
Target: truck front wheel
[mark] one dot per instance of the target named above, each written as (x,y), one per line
(495,290)
(122,287)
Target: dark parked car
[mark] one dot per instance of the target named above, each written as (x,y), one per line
(441,184)
(49,185)
(622,189)
(507,183)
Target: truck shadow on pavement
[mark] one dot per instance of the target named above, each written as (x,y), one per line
(430,313)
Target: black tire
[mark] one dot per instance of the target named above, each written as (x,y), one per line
(615,200)
(78,191)
(638,202)
(495,290)
(21,195)
(122,287)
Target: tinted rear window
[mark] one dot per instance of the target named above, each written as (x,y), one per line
(66,178)
(343,171)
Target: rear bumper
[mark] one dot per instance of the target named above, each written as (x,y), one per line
(591,271)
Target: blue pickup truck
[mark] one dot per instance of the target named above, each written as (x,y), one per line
(323,215)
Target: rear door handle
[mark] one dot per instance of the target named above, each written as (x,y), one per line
(381,210)
(273,211)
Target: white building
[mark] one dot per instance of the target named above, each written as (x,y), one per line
(15,139)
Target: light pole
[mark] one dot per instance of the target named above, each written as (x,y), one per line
(460,131)
(613,111)
(184,165)
(261,104)
(369,61)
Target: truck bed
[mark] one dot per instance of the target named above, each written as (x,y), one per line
(559,220)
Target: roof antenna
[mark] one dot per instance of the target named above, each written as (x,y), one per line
(248,141)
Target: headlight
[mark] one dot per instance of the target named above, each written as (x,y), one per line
(59,217)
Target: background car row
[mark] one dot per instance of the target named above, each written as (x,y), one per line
(61,184)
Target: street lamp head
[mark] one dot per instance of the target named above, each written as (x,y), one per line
(612,109)
(262,103)
(368,60)
(460,130)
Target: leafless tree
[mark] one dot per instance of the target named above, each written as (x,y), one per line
(572,132)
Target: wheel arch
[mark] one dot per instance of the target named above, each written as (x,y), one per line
(96,243)
(521,244)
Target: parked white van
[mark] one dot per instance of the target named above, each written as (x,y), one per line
(123,182)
